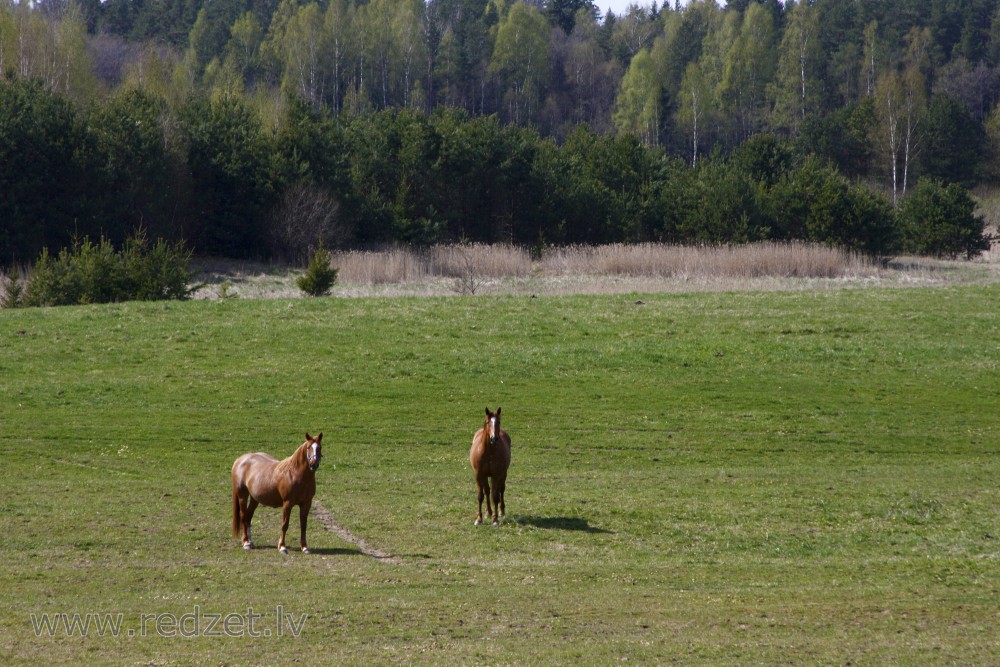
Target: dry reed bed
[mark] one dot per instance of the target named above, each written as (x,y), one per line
(404,265)
(783,260)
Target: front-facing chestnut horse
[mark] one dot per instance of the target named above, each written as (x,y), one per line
(261,479)
(490,458)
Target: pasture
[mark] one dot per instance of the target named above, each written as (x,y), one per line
(703,478)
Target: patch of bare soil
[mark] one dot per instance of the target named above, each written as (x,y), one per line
(324,516)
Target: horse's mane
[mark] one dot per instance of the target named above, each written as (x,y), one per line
(289,462)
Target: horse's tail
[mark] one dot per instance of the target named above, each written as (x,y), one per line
(236,511)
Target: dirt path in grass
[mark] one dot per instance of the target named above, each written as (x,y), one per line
(324,516)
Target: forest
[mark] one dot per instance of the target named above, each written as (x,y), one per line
(259,128)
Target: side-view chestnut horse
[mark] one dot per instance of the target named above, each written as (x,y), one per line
(490,458)
(261,479)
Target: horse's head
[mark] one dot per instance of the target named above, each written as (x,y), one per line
(492,425)
(314,450)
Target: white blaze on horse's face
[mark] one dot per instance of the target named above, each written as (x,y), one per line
(493,429)
(312,452)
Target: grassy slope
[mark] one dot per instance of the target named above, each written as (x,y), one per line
(805,477)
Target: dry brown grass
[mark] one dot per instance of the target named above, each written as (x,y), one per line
(486,261)
(649,260)
(384,267)
(616,269)
(404,265)
(779,260)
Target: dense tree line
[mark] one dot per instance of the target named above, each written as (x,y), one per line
(258,127)
(687,78)
(213,173)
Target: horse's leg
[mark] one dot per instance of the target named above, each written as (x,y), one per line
(247,507)
(497,485)
(286,511)
(479,494)
(303,515)
(486,492)
(501,486)
(480,481)
(251,508)
(237,515)
(248,511)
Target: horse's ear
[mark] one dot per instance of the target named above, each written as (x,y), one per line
(487,412)
(308,437)
(319,437)
(498,412)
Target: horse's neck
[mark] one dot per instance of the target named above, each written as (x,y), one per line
(296,462)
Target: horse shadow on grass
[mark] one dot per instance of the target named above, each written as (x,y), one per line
(562,523)
(339,551)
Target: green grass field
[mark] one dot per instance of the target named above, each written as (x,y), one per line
(734,478)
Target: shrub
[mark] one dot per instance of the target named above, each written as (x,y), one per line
(940,220)
(11,291)
(156,273)
(97,273)
(319,276)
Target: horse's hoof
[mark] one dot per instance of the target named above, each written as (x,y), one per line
(283,550)
(495,522)
(305,550)
(477,522)
(248,546)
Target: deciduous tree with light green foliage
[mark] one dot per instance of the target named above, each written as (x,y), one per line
(697,104)
(872,58)
(244,44)
(749,69)
(796,87)
(409,50)
(51,48)
(272,48)
(637,108)
(8,33)
(916,64)
(304,55)
(337,26)
(521,59)
(889,110)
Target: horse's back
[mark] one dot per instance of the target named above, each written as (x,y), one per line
(254,460)
(255,472)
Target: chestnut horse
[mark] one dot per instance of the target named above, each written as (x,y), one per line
(262,479)
(490,458)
